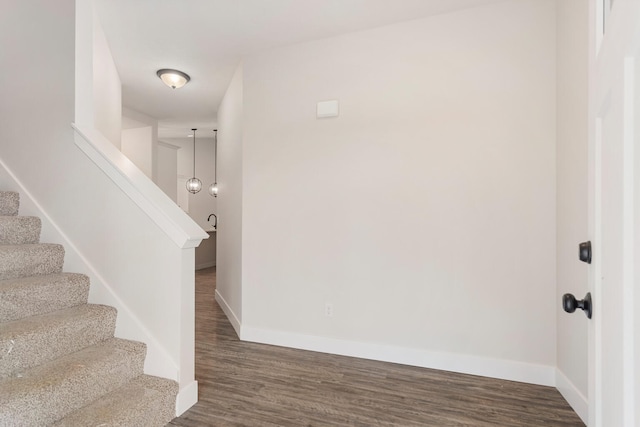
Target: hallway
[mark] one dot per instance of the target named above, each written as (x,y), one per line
(247,384)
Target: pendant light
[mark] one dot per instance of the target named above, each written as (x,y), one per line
(213,188)
(194,184)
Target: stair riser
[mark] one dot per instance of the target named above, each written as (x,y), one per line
(146,401)
(19,230)
(9,203)
(145,414)
(63,386)
(30,260)
(20,298)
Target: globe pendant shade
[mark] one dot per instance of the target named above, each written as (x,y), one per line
(194,185)
(213,189)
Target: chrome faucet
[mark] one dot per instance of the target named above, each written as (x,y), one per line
(215,223)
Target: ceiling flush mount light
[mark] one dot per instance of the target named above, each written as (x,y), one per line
(173,78)
(194,184)
(213,188)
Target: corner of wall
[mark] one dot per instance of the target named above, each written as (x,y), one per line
(228,311)
(229,236)
(571,196)
(578,401)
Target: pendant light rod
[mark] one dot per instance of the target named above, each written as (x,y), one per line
(194,184)
(194,151)
(213,188)
(215,155)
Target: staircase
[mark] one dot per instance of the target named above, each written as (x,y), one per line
(60,363)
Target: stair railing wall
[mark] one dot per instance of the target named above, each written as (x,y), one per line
(136,246)
(179,228)
(159,264)
(152,290)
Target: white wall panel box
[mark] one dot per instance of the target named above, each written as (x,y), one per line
(327,109)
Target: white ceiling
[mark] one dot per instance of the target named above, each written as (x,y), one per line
(207,39)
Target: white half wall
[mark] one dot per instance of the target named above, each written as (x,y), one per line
(229,237)
(424,214)
(572,198)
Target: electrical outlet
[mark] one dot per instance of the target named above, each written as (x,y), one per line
(328,309)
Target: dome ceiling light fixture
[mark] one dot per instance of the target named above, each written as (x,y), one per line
(173,78)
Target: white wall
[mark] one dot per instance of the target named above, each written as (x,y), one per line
(201,204)
(572,57)
(132,119)
(168,169)
(206,252)
(137,145)
(425,213)
(229,275)
(107,89)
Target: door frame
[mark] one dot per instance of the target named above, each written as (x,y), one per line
(602,17)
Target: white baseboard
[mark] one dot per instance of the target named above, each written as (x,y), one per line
(187,397)
(229,312)
(205,265)
(466,364)
(573,396)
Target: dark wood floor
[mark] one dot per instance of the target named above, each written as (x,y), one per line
(246,384)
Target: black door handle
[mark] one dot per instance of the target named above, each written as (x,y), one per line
(585,252)
(570,303)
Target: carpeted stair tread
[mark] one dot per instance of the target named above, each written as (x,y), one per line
(46,393)
(9,202)
(34,340)
(30,260)
(34,295)
(144,401)
(19,230)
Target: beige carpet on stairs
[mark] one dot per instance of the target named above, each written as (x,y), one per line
(60,363)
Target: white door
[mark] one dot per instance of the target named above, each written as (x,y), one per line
(614,388)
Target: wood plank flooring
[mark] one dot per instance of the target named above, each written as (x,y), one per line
(246,384)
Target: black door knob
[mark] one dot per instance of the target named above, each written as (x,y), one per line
(570,303)
(585,252)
